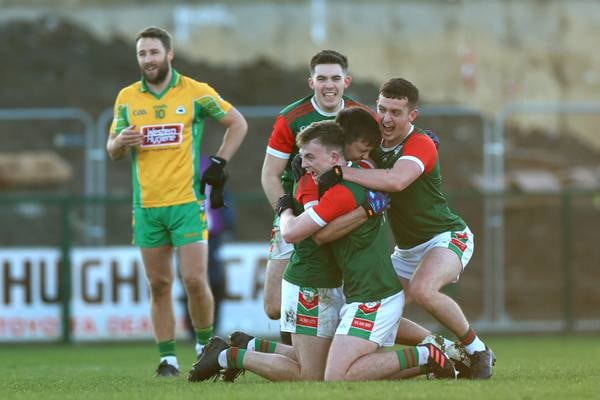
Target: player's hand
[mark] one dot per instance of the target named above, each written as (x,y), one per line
(297,170)
(129,137)
(217,199)
(376,203)
(433,136)
(329,179)
(215,174)
(284,202)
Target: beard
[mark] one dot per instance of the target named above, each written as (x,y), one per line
(161,73)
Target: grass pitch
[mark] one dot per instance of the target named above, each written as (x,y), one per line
(540,367)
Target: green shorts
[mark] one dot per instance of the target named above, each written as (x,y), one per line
(171,225)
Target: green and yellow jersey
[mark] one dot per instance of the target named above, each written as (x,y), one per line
(165,167)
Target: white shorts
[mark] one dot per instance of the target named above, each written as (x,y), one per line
(375,321)
(310,311)
(462,243)
(279,249)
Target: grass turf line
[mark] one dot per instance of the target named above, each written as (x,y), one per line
(539,367)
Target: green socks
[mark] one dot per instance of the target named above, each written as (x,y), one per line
(166,348)
(203,335)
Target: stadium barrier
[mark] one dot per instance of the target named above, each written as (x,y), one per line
(70,292)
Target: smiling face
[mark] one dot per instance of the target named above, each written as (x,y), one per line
(317,159)
(395,118)
(153,59)
(357,150)
(329,81)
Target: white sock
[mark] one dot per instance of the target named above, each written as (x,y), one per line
(199,348)
(423,354)
(251,345)
(171,360)
(447,342)
(222,359)
(476,345)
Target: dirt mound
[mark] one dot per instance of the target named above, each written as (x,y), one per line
(53,62)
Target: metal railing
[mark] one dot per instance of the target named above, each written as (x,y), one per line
(494,315)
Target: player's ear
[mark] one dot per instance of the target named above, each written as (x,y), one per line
(412,115)
(347,81)
(334,157)
(170,55)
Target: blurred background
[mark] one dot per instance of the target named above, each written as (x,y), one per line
(511,87)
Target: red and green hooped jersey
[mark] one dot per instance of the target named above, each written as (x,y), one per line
(363,254)
(165,168)
(420,211)
(290,121)
(310,265)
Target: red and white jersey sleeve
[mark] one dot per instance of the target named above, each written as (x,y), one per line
(336,202)
(307,192)
(420,149)
(281,142)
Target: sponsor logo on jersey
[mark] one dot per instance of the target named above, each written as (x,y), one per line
(162,135)
(137,113)
(180,110)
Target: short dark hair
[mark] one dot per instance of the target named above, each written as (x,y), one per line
(358,123)
(399,88)
(154,32)
(328,132)
(328,57)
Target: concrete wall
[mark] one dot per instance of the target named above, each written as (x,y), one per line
(483,54)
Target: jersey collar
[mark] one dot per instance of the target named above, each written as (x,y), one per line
(325,113)
(175,78)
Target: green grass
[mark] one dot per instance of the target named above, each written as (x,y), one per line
(541,367)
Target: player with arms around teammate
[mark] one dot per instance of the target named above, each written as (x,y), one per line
(374,300)
(328,79)
(159,121)
(311,290)
(433,244)
(311,312)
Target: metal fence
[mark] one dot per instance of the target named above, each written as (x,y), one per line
(492,298)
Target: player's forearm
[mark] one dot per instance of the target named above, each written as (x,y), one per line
(233,138)
(385,180)
(115,150)
(272,187)
(295,229)
(340,226)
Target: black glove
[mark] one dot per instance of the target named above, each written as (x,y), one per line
(297,170)
(217,199)
(284,202)
(329,179)
(433,136)
(215,174)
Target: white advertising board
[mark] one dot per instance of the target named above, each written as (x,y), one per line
(110,298)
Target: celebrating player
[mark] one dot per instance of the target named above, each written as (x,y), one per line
(308,309)
(433,244)
(328,79)
(311,293)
